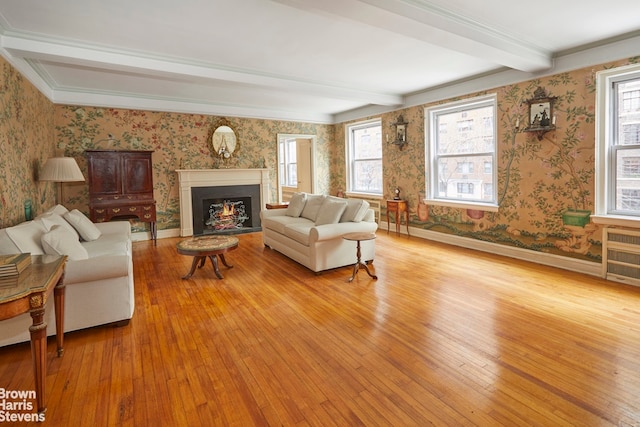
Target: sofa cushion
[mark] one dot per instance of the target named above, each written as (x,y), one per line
(279,222)
(296,204)
(27,236)
(51,219)
(355,211)
(299,232)
(312,206)
(60,241)
(331,210)
(83,225)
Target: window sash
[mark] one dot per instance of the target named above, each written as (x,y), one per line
(462,169)
(364,157)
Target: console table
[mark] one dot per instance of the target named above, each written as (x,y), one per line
(30,293)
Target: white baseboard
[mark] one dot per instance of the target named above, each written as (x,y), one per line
(140,236)
(565,263)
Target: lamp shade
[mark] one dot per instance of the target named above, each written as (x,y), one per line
(61,169)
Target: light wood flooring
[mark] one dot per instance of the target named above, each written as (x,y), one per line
(445,337)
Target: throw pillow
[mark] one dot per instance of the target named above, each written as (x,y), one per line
(330,211)
(83,225)
(51,219)
(312,207)
(296,204)
(26,236)
(57,209)
(355,211)
(60,241)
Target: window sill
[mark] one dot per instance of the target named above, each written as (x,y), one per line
(364,195)
(463,205)
(619,220)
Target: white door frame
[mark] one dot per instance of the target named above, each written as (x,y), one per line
(281,138)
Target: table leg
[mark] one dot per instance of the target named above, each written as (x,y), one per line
(388,214)
(224,261)
(214,261)
(406,218)
(154,232)
(359,264)
(196,259)
(58,301)
(38,331)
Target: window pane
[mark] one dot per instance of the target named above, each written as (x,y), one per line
(367,143)
(292,176)
(628,180)
(465,178)
(368,176)
(469,131)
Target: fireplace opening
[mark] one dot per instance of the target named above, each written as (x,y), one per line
(226,209)
(226,215)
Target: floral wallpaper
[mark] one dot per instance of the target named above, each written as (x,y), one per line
(26,141)
(179,141)
(538,180)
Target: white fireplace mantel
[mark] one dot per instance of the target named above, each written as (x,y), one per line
(189,178)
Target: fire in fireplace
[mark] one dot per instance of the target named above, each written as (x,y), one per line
(226,209)
(226,215)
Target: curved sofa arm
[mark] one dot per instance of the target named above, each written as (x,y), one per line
(98,268)
(333,231)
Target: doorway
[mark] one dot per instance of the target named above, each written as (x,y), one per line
(296,163)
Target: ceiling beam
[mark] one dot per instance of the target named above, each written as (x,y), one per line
(422,21)
(122,61)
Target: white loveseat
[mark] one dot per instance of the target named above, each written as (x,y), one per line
(310,230)
(98,275)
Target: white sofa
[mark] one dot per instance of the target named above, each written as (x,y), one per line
(98,275)
(310,230)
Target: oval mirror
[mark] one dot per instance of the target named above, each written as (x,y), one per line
(224,141)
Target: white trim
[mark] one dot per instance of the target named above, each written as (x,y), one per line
(347,151)
(603,163)
(431,184)
(314,179)
(552,260)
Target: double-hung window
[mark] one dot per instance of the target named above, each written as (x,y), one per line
(618,146)
(364,157)
(461,153)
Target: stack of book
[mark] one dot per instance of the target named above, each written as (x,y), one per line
(11,266)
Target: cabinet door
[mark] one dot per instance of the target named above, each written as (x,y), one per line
(137,174)
(104,174)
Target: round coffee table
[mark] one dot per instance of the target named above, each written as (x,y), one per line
(204,247)
(358,237)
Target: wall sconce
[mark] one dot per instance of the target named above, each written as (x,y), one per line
(542,119)
(400,138)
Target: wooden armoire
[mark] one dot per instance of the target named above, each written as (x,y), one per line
(121,186)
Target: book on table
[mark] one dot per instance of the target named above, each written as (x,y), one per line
(13,265)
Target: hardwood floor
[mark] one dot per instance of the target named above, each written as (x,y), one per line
(445,337)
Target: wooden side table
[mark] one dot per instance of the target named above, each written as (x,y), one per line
(398,207)
(277,205)
(31,291)
(358,237)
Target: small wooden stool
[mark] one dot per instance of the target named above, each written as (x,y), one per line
(358,237)
(205,247)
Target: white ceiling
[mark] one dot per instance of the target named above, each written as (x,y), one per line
(302,60)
